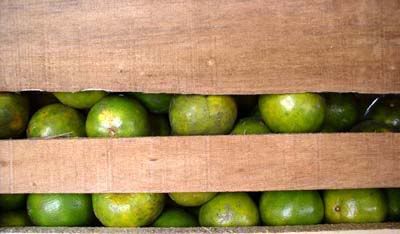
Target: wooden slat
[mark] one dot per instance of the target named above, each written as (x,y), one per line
(201,46)
(378,228)
(200,163)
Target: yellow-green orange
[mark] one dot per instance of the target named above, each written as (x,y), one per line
(12,202)
(191,199)
(341,111)
(229,210)
(202,115)
(54,210)
(291,208)
(117,116)
(250,126)
(175,217)
(355,206)
(14,219)
(56,120)
(155,102)
(393,200)
(80,100)
(14,114)
(128,210)
(292,113)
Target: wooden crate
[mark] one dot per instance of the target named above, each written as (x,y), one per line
(204,47)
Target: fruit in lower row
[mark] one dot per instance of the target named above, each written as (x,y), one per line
(14,114)
(128,210)
(202,115)
(14,219)
(175,217)
(250,126)
(292,113)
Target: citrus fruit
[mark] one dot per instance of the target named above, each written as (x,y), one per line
(202,115)
(229,210)
(249,126)
(365,103)
(155,102)
(191,199)
(14,114)
(291,208)
(12,202)
(80,100)
(56,120)
(355,206)
(371,126)
(245,104)
(117,116)
(341,111)
(159,125)
(292,113)
(60,209)
(128,210)
(387,111)
(14,219)
(393,199)
(175,217)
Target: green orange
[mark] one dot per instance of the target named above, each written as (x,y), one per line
(393,200)
(355,206)
(56,120)
(292,113)
(10,202)
(387,111)
(291,208)
(14,114)
(80,100)
(371,126)
(175,217)
(249,126)
(14,219)
(128,210)
(202,115)
(155,102)
(117,116)
(341,111)
(54,210)
(191,199)
(229,210)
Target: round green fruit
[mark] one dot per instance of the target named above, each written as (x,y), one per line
(250,126)
(387,111)
(14,115)
(191,199)
(10,202)
(155,102)
(229,210)
(393,199)
(128,210)
(175,217)
(80,100)
(355,206)
(292,113)
(159,125)
(14,219)
(371,126)
(291,208)
(341,111)
(202,115)
(54,210)
(56,120)
(117,116)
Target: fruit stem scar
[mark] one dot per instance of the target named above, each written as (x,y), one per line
(337,208)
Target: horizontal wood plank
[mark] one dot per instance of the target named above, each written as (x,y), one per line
(201,163)
(201,46)
(376,228)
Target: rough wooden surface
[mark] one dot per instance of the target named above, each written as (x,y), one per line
(201,46)
(381,228)
(201,163)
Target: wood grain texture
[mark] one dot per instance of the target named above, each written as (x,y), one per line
(200,163)
(378,228)
(201,46)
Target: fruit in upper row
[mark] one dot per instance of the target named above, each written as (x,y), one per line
(14,114)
